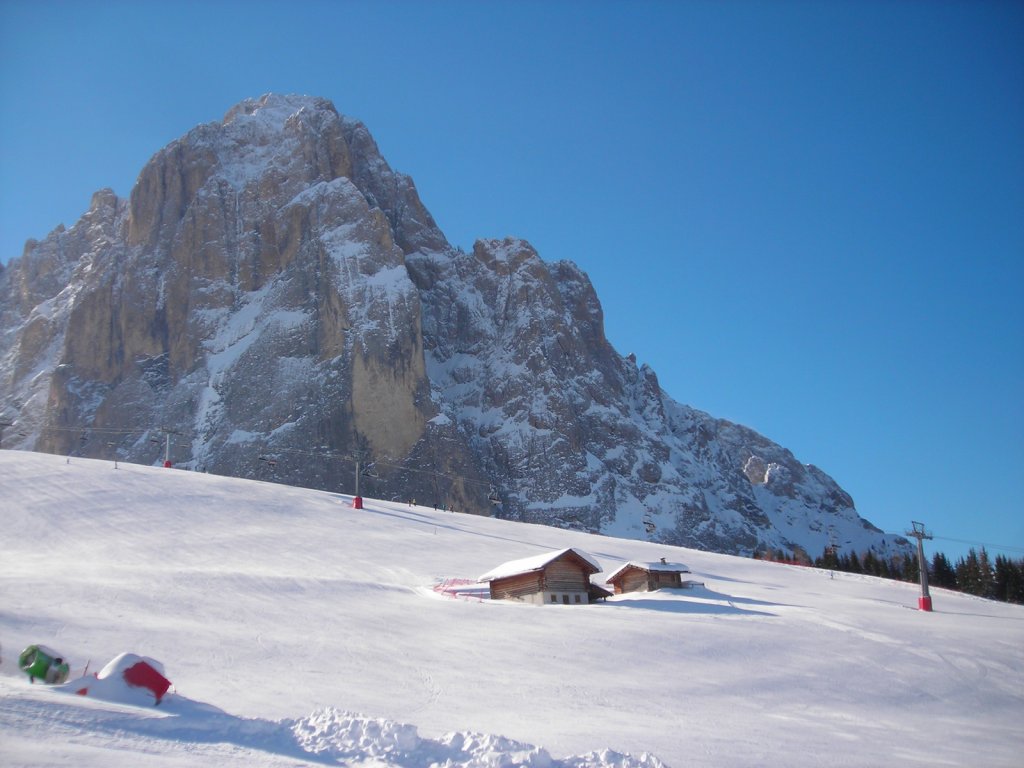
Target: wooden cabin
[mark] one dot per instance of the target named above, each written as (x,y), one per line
(561,577)
(647,577)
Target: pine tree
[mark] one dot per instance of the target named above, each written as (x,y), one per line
(986,577)
(1017,592)
(870,563)
(883,568)
(942,572)
(855,566)
(909,569)
(896,567)
(1008,580)
(828,559)
(968,573)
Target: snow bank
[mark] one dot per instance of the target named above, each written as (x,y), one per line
(344,736)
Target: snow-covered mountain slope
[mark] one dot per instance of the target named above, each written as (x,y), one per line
(299,631)
(273,289)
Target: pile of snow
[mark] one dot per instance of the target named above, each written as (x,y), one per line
(348,738)
(115,682)
(268,603)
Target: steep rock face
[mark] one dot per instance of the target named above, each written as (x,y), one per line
(247,296)
(273,290)
(581,437)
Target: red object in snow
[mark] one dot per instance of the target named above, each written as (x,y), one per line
(357,502)
(167,463)
(142,675)
(924,603)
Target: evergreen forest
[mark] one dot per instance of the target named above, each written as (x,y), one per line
(1001,578)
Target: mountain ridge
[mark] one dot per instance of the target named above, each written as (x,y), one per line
(272,289)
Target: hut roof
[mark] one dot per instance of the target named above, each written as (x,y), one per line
(539,562)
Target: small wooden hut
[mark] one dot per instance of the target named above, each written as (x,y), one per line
(647,577)
(561,577)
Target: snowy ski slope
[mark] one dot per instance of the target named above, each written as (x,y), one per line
(299,631)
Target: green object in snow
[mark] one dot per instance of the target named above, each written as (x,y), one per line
(42,663)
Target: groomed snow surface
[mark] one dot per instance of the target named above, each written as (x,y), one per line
(299,631)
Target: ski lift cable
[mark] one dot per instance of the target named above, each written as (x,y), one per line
(983,544)
(986,544)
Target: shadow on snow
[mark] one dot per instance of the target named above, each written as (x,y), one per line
(696,600)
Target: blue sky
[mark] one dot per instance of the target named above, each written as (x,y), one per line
(807,217)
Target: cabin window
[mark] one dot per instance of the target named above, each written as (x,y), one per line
(565,599)
(577,598)
(554,598)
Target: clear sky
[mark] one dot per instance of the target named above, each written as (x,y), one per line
(807,217)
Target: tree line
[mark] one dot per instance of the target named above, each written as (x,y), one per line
(1001,578)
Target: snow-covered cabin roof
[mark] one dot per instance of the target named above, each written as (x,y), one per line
(536,563)
(661,566)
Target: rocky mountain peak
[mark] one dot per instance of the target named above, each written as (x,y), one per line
(276,109)
(277,298)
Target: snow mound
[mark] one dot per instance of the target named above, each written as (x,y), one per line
(121,663)
(112,684)
(344,736)
(607,758)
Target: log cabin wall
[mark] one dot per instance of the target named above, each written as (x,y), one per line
(516,587)
(633,580)
(665,579)
(565,576)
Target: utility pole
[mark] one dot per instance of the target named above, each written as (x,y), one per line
(359,454)
(357,502)
(361,471)
(924,602)
(167,445)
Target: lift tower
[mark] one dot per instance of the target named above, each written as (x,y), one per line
(924,602)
